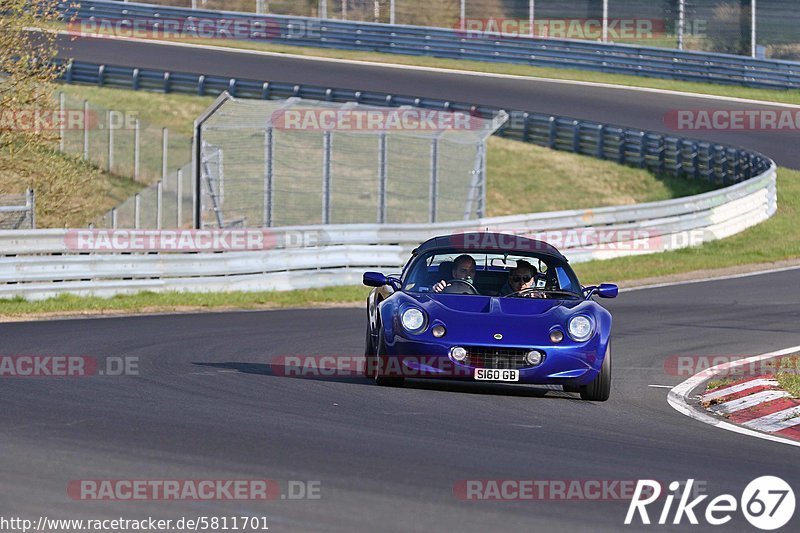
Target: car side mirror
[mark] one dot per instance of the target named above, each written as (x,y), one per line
(374,279)
(607,290)
(604,290)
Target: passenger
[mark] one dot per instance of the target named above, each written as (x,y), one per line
(464,268)
(520,278)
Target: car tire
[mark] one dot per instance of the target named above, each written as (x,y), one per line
(380,357)
(369,352)
(600,389)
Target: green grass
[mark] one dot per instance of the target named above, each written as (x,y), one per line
(789,375)
(174,111)
(525,178)
(714,383)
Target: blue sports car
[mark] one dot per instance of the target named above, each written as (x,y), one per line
(489,307)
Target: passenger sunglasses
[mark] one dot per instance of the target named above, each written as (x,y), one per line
(524,279)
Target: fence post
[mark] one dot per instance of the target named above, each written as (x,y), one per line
(86,130)
(164,152)
(113,218)
(137,210)
(434,173)
(179,194)
(326,176)
(159,202)
(576,136)
(642,149)
(62,121)
(382,175)
(269,168)
(481,212)
(110,161)
(601,142)
(551,132)
(30,205)
(136,150)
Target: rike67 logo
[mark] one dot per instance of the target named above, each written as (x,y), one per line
(766,502)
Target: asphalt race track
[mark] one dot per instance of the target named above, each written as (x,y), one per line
(207,405)
(616,106)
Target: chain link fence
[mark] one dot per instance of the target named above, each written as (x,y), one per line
(708,25)
(121,144)
(297,162)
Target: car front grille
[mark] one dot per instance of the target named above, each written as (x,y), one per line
(494,357)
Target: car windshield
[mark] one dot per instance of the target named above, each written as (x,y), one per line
(493,274)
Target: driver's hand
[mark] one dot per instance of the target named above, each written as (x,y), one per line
(536,294)
(440,285)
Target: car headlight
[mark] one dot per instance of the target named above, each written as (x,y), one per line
(413,320)
(580,328)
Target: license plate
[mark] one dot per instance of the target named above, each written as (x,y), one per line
(495,374)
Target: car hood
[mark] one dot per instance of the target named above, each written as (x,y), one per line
(485,319)
(490,305)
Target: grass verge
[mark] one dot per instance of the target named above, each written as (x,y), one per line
(789,375)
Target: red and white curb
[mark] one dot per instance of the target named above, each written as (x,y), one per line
(756,403)
(754,406)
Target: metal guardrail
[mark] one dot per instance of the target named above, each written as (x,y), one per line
(42,264)
(453,44)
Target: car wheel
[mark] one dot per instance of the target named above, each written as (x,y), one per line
(380,360)
(600,389)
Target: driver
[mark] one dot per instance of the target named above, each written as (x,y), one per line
(464,267)
(521,277)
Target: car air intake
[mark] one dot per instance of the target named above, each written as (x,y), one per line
(494,357)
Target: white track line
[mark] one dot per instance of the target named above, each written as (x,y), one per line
(776,421)
(748,401)
(727,391)
(440,70)
(678,397)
